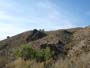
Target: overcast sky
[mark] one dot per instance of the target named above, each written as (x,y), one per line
(17,16)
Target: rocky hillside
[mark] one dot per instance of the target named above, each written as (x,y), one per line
(69,42)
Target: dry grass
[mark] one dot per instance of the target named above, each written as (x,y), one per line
(24,64)
(70,63)
(3,61)
(80,62)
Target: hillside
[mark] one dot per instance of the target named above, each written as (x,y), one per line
(70,43)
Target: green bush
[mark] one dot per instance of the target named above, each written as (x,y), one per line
(27,52)
(43,54)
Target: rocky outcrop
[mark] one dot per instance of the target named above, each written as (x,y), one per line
(35,35)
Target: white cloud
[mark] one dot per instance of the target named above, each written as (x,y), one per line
(41,14)
(4,16)
(50,16)
(9,30)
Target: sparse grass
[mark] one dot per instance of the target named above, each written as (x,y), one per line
(3,61)
(80,62)
(25,64)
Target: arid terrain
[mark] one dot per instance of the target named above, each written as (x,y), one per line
(70,48)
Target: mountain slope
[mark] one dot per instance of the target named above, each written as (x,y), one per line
(70,42)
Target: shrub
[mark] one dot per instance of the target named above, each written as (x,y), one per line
(27,52)
(43,54)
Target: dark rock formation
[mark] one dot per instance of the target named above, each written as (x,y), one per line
(35,35)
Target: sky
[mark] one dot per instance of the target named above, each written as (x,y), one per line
(17,16)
